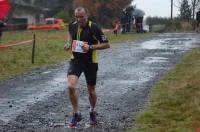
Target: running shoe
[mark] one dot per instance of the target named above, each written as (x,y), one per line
(75,119)
(93,120)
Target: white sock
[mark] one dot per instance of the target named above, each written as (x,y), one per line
(92,109)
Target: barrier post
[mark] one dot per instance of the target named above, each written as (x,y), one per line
(33,49)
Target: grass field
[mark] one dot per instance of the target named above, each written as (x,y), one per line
(174,104)
(49,50)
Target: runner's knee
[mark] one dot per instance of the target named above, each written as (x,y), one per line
(71,82)
(71,85)
(91,91)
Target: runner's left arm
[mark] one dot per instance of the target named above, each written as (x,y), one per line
(100,36)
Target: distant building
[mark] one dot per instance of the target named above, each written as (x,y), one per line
(22,13)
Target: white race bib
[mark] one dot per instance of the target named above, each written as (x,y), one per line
(77,46)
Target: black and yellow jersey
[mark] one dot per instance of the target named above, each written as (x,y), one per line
(91,34)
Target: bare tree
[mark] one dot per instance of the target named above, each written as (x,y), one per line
(185,10)
(194,5)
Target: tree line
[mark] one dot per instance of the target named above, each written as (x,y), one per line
(100,11)
(187,12)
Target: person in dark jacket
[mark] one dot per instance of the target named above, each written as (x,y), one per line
(139,24)
(198,20)
(2,24)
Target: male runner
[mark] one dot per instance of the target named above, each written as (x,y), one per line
(85,37)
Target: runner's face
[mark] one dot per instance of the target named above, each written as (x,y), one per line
(81,18)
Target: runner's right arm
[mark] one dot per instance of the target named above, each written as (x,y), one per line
(67,46)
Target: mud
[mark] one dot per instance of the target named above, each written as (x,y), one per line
(37,101)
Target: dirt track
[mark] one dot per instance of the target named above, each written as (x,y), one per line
(38,101)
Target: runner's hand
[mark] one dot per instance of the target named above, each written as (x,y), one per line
(67,47)
(85,47)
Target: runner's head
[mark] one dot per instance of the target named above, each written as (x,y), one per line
(81,16)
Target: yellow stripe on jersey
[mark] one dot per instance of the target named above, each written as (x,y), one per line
(90,24)
(71,56)
(94,56)
(78,37)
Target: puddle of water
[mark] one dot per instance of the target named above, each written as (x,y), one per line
(153,44)
(175,34)
(181,44)
(150,60)
(164,53)
(46,72)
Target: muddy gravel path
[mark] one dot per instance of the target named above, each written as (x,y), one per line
(38,101)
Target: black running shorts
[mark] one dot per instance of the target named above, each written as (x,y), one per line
(89,70)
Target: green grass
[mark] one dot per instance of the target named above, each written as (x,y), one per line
(158,28)
(174,104)
(49,50)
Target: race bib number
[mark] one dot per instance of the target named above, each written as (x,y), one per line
(77,46)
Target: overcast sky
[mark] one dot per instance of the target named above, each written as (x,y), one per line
(160,8)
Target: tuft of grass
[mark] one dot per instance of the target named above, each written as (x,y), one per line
(49,49)
(174,104)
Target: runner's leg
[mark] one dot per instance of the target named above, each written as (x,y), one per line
(92,99)
(92,96)
(91,76)
(72,82)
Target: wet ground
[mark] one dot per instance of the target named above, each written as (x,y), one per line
(37,101)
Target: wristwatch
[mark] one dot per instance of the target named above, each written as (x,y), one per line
(91,47)
(67,44)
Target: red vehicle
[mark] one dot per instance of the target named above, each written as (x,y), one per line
(50,23)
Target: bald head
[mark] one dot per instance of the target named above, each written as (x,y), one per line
(81,16)
(80,9)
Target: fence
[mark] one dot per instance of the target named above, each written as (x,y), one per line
(23,43)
